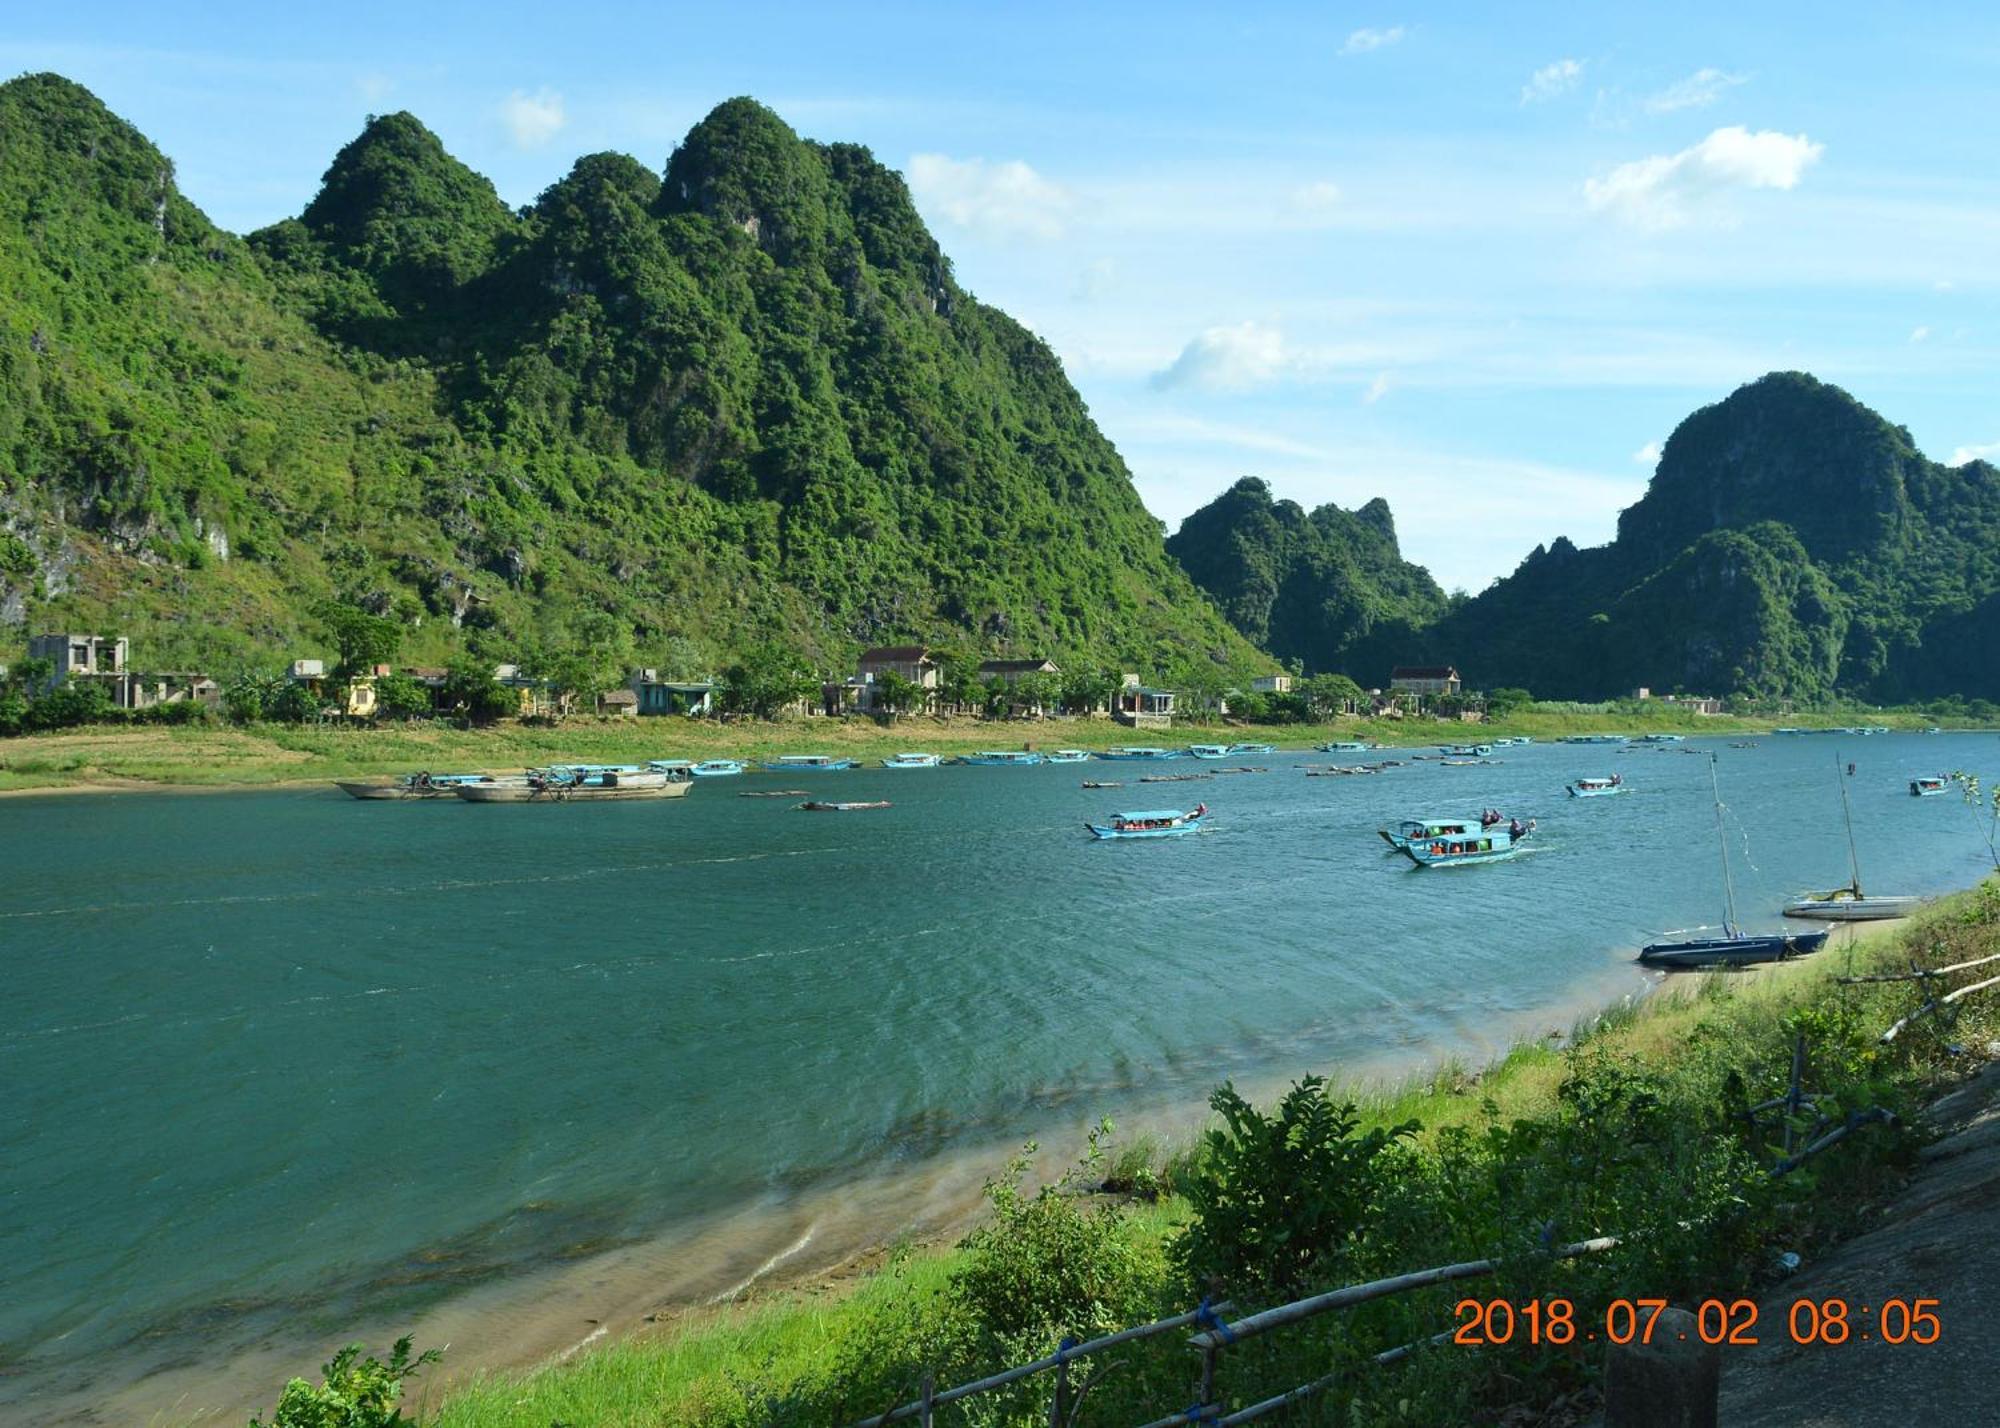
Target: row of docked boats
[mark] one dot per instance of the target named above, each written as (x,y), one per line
(556,783)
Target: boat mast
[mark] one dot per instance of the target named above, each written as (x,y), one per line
(1847,812)
(1722,843)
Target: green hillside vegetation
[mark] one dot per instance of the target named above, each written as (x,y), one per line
(1329,588)
(652,417)
(1792,545)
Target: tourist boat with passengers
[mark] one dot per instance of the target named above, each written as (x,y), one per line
(911,761)
(1851,904)
(1069,756)
(1427,830)
(1138,752)
(416,785)
(1929,785)
(717,768)
(1486,839)
(807,763)
(573,785)
(1599,787)
(1003,758)
(1735,947)
(1150,823)
(1208,751)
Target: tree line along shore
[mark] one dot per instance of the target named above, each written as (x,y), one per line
(1639,1123)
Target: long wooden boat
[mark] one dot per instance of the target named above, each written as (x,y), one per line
(553,787)
(1929,786)
(1465,751)
(1599,787)
(1426,830)
(1150,823)
(1253,748)
(1208,751)
(1003,758)
(1597,739)
(807,763)
(1344,746)
(717,768)
(1663,738)
(818,806)
(416,785)
(1492,843)
(1069,756)
(911,761)
(1735,948)
(1139,752)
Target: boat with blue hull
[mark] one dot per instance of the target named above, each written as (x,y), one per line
(911,761)
(1465,751)
(717,768)
(807,763)
(1599,787)
(1208,751)
(1138,752)
(1151,823)
(1253,748)
(1002,758)
(1663,738)
(1345,746)
(1597,739)
(1487,842)
(1069,756)
(1425,830)
(1735,948)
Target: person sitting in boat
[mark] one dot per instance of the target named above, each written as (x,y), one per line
(1516,828)
(1199,810)
(1489,817)
(1617,779)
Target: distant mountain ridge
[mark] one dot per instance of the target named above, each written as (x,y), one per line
(743,398)
(1792,544)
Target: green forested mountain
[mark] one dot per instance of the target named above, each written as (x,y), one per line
(678,413)
(1792,544)
(1328,587)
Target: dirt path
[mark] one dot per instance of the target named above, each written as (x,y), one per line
(1940,1239)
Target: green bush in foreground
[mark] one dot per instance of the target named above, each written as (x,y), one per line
(356,1392)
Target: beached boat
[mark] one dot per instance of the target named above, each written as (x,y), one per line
(1735,948)
(1465,751)
(1663,738)
(1002,758)
(717,768)
(816,806)
(562,786)
(1152,823)
(1930,785)
(1069,756)
(1137,751)
(672,768)
(807,763)
(1344,746)
(1598,787)
(1850,904)
(911,761)
(416,785)
(1208,751)
(1597,739)
(1253,748)
(1486,842)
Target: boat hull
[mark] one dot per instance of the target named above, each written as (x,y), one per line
(1018,761)
(1099,830)
(1852,909)
(588,793)
(1069,756)
(376,790)
(1576,791)
(718,769)
(830,766)
(1706,952)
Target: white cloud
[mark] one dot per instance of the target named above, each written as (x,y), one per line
(1228,359)
(1697,91)
(1663,191)
(1097,278)
(1377,389)
(1648,455)
(1362,41)
(1984,451)
(533,119)
(1551,80)
(1316,197)
(1003,200)
(1943,285)
(1920,334)
(374,87)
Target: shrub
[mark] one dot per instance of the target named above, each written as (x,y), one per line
(355,1393)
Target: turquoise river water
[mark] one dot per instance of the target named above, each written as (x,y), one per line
(283,1069)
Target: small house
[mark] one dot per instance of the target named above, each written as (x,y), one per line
(618,703)
(1141,706)
(914,663)
(690,699)
(1424,680)
(1271,684)
(1010,672)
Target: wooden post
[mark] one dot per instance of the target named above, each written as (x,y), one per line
(1207,1394)
(930,1389)
(1672,1382)
(1059,1401)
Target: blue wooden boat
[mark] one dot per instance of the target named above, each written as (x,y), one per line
(1069,756)
(717,768)
(1597,739)
(1002,758)
(911,761)
(1735,948)
(1489,844)
(1208,751)
(1344,746)
(807,763)
(1599,787)
(1150,823)
(673,768)
(1253,748)
(1929,786)
(1663,738)
(1465,751)
(1427,829)
(1138,751)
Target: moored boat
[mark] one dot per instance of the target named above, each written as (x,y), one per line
(1850,904)
(1138,752)
(1253,748)
(1929,785)
(1344,746)
(1069,756)
(416,785)
(1465,751)
(1597,739)
(1152,823)
(561,786)
(1663,738)
(817,806)
(1598,787)
(807,763)
(911,761)
(672,768)
(1208,751)
(1002,758)
(717,768)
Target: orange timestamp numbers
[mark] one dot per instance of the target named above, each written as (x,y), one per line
(1495,1322)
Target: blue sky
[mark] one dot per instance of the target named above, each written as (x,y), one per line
(1475,259)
